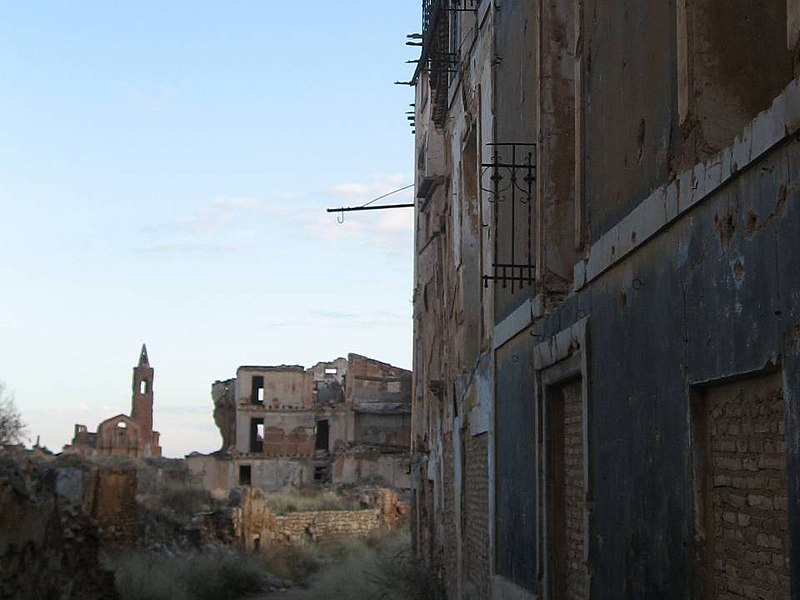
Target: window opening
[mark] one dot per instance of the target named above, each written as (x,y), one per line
(323,435)
(245,475)
(256,435)
(565,491)
(257,392)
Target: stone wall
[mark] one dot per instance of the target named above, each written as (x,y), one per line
(303,527)
(48,544)
(252,524)
(354,465)
(476,514)
(113,505)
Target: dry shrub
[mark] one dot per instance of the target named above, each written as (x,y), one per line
(378,569)
(292,562)
(290,501)
(217,575)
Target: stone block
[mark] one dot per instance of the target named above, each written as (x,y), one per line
(768,129)
(684,191)
(742,146)
(603,253)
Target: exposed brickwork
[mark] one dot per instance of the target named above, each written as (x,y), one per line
(745,490)
(449,540)
(573,489)
(476,514)
(49,546)
(326,525)
(114,505)
(567,493)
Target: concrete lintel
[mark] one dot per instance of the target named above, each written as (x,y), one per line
(509,327)
(727,164)
(698,184)
(643,222)
(768,128)
(579,275)
(503,589)
(714,172)
(603,253)
(670,201)
(741,148)
(560,346)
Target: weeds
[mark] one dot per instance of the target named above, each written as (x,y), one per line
(217,575)
(380,569)
(286,502)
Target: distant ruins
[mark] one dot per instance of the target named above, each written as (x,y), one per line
(340,422)
(121,435)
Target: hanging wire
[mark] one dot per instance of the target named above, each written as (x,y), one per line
(387,194)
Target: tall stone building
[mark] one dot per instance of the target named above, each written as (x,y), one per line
(340,421)
(607,298)
(122,435)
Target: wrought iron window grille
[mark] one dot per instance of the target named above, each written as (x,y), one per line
(511,175)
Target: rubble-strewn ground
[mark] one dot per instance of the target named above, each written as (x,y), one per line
(379,568)
(62,539)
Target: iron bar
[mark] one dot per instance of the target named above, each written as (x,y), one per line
(354,208)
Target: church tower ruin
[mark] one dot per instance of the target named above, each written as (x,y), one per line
(142,399)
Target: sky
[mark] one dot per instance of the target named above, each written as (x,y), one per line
(164,173)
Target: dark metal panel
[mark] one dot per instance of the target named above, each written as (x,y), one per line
(717,295)
(515,474)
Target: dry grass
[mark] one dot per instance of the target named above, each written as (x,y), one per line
(289,501)
(216,575)
(377,569)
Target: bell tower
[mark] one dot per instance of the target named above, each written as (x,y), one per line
(142,402)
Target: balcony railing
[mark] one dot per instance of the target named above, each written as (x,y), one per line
(438,59)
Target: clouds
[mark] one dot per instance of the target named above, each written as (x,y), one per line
(387,230)
(222,225)
(246,224)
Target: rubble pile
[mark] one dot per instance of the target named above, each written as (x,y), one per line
(49,544)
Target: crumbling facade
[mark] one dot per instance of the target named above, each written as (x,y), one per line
(607,298)
(340,421)
(122,435)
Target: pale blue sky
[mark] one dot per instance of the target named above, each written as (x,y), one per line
(164,170)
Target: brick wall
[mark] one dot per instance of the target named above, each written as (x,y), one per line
(743,489)
(318,526)
(448,542)
(250,522)
(49,546)
(575,573)
(114,504)
(476,514)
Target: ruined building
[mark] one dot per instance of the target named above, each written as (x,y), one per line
(340,422)
(122,435)
(607,298)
